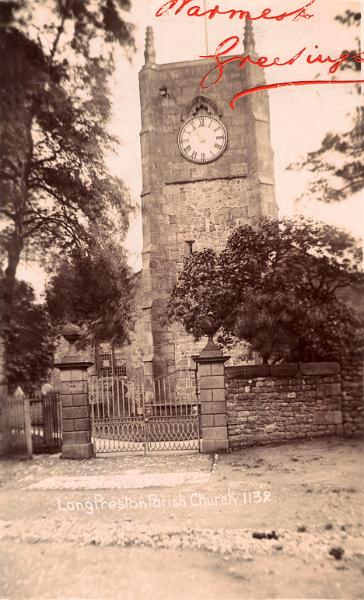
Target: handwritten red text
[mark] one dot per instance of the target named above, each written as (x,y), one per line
(226,47)
(184,7)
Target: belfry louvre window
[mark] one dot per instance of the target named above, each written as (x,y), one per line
(105,365)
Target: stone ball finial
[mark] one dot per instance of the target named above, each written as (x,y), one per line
(71,333)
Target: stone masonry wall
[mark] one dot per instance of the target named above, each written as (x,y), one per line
(278,403)
(184,203)
(352,393)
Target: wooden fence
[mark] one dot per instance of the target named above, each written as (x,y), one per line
(30,426)
(16,432)
(45,416)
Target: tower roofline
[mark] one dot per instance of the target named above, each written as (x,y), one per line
(249,40)
(186,63)
(149,52)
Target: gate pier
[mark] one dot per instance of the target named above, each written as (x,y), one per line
(76,410)
(213,419)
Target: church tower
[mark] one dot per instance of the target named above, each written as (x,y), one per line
(206,170)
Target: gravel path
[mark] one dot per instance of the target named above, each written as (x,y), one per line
(273,522)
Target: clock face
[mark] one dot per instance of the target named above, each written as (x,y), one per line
(202,139)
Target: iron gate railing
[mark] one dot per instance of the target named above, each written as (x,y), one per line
(117,416)
(126,418)
(173,416)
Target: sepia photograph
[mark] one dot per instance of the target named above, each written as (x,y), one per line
(181,300)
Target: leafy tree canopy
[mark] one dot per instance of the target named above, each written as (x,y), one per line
(56,60)
(29,340)
(337,166)
(277,286)
(95,291)
(55,188)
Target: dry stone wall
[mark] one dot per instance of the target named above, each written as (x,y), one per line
(278,403)
(352,393)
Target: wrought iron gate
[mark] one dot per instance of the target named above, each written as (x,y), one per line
(127,417)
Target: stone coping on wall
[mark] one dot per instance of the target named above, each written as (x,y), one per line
(282,370)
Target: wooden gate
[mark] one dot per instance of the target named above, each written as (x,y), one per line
(45,415)
(16,437)
(126,418)
(30,425)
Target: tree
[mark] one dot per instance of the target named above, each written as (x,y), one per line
(57,58)
(278,287)
(29,340)
(338,164)
(95,291)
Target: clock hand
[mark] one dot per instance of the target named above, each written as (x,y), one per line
(198,135)
(201,139)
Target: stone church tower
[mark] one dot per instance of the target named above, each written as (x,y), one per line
(206,170)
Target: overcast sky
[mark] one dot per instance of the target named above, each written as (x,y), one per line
(299,116)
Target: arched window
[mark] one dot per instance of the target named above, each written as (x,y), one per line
(200,106)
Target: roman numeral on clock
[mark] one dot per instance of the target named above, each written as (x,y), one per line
(197,144)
